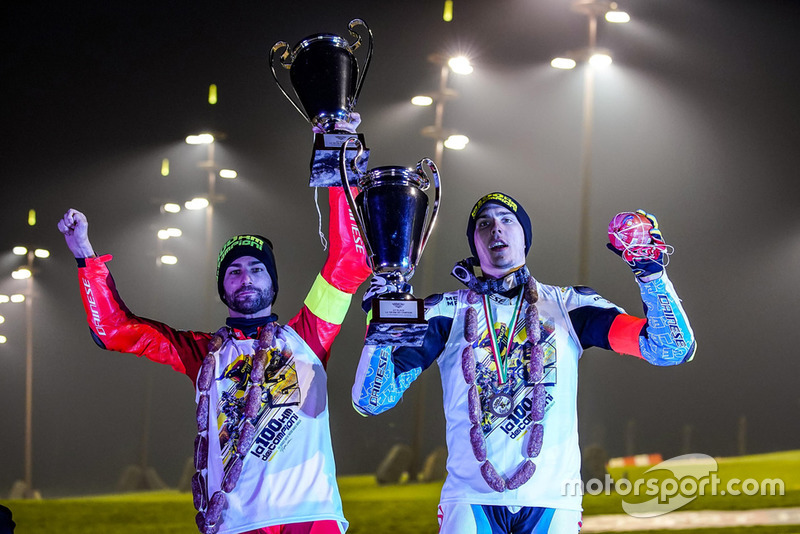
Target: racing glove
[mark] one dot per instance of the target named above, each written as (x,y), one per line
(637,239)
(383,284)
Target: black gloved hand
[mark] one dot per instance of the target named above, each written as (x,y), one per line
(382,284)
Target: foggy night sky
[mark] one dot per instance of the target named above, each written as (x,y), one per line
(696,121)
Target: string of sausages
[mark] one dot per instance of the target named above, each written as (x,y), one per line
(266,360)
(533,444)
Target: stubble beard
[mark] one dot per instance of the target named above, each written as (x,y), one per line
(251,303)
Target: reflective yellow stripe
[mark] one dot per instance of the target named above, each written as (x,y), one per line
(327,302)
(359,411)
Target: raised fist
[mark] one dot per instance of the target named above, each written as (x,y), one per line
(636,238)
(75,228)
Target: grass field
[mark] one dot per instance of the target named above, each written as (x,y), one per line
(380,509)
(780,465)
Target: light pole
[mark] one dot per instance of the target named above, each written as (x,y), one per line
(212,169)
(444,138)
(143,476)
(5,299)
(210,166)
(207,202)
(26,273)
(595,57)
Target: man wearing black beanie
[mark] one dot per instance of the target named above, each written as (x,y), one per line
(507,348)
(263,450)
(240,301)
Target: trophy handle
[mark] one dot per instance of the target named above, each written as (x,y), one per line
(349,194)
(354,46)
(437,197)
(286,63)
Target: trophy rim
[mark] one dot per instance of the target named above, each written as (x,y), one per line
(406,175)
(334,39)
(404,272)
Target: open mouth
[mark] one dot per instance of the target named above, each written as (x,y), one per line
(497,245)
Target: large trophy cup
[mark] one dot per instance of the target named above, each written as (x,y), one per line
(391,212)
(325,76)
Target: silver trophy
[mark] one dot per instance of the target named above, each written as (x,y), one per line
(391,211)
(326,78)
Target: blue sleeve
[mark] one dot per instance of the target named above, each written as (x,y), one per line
(668,338)
(408,358)
(385,372)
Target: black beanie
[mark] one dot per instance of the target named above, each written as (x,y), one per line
(506,201)
(246,245)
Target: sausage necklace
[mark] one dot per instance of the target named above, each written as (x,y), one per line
(266,360)
(533,444)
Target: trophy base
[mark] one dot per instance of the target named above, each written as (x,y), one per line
(325,160)
(398,320)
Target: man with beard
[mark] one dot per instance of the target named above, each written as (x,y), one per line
(507,348)
(263,450)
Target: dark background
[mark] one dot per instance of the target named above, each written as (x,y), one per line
(696,121)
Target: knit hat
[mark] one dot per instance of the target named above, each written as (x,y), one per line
(501,199)
(246,245)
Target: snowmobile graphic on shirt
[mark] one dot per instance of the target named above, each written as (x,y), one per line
(280,391)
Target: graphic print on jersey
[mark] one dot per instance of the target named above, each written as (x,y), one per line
(275,420)
(507,406)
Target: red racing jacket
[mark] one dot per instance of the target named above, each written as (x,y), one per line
(115,327)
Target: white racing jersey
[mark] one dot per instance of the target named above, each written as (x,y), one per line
(571,319)
(289,471)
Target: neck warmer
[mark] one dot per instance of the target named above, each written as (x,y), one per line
(249,327)
(464,272)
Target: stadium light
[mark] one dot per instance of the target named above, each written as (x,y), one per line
(456,142)
(618,17)
(21,274)
(460,65)
(600,60)
(200,139)
(197,203)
